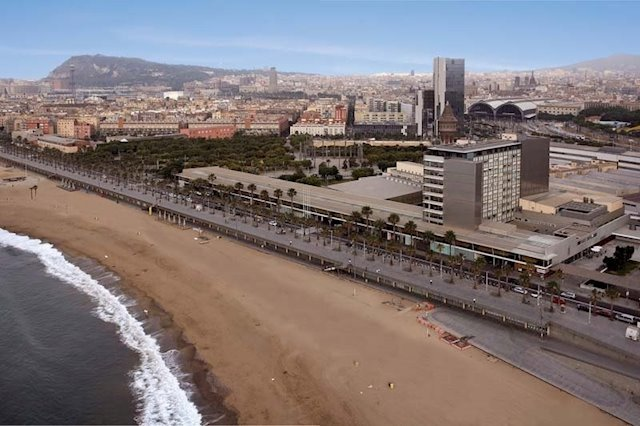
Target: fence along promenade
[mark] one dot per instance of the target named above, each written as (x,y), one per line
(184,215)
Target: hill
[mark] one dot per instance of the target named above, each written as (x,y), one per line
(616,63)
(107,71)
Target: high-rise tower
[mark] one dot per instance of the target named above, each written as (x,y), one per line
(448,87)
(273,80)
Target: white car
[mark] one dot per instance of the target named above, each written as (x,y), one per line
(273,223)
(535,294)
(568,294)
(520,290)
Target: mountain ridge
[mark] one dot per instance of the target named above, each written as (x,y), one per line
(107,71)
(619,62)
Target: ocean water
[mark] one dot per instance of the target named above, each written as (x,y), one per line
(74,351)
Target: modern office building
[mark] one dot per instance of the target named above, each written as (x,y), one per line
(424,112)
(469,182)
(448,87)
(273,80)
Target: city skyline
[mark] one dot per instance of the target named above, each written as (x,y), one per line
(345,37)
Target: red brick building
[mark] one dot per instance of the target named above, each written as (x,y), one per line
(341,113)
(217,132)
(82,131)
(43,124)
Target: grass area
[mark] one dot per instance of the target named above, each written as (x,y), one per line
(629,267)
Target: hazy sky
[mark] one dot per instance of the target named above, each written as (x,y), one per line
(330,37)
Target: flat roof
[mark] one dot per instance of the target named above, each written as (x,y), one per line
(580,207)
(519,241)
(379,187)
(474,147)
(56,140)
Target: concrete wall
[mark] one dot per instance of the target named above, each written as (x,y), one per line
(462,193)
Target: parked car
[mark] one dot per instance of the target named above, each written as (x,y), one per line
(568,294)
(582,307)
(520,290)
(601,311)
(626,318)
(535,294)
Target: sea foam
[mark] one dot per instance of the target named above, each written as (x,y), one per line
(161,399)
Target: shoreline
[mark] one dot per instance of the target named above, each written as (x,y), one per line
(284,360)
(210,390)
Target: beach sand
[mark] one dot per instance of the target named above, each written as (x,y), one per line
(290,343)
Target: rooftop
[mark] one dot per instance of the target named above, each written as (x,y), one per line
(513,240)
(474,146)
(380,187)
(580,207)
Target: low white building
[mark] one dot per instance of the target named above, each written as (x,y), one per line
(173,95)
(560,108)
(318,129)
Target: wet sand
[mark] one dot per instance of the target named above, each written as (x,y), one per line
(289,343)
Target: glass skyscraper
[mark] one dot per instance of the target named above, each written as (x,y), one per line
(448,86)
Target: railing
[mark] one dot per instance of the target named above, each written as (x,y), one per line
(450,301)
(306,256)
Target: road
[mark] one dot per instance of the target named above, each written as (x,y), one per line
(392,267)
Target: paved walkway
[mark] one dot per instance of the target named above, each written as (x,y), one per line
(523,351)
(598,327)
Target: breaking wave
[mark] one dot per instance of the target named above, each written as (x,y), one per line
(161,400)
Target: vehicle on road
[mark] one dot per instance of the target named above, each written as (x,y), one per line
(626,318)
(535,294)
(632,333)
(568,294)
(582,307)
(273,223)
(520,290)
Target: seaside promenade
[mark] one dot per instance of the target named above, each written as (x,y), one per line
(353,262)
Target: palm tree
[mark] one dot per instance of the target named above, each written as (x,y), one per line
(561,277)
(393,220)
(264,195)
(428,237)
(410,228)
(356,217)
(450,238)
(525,278)
(553,288)
(460,261)
(367,211)
(612,294)
(451,263)
(478,267)
(379,225)
(440,248)
(505,271)
(430,256)
(252,188)
(278,194)
(593,301)
(239,186)
(291,193)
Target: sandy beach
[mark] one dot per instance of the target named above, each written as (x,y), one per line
(291,344)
